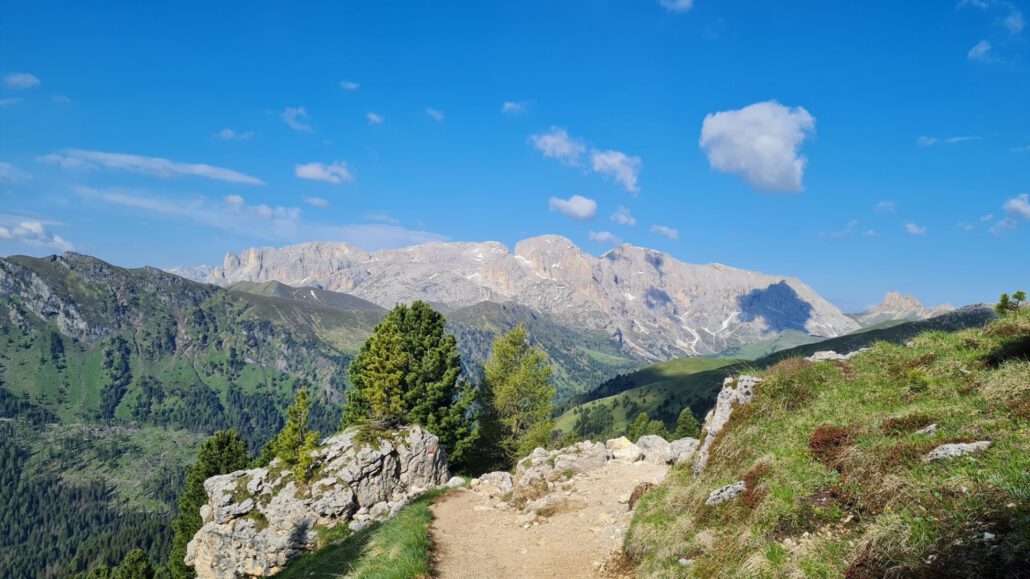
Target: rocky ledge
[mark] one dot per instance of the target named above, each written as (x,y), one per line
(258,520)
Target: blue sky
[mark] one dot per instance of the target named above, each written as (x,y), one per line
(859,146)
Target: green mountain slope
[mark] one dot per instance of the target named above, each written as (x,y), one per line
(837,480)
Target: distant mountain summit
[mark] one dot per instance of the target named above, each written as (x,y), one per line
(655,306)
(899,307)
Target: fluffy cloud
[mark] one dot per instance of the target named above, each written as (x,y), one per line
(886,206)
(604,237)
(760,143)
(622,216)
(316,201)
(1018,206)
(980,52)
(20,80)
(10,173)
(618,166)
(677,5)
(374,119)
(557,144)
(914,229)
(297,119)
(232,135)
(1014,21)
(667,232)
(576,207)
(336,173)
(349,85)
(513,108)
(154,166)
(1003,225)
(436,115)
(31,232)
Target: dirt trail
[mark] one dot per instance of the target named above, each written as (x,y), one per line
(476,539)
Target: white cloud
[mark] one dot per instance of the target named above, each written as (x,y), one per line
(848,230)
(980,52)
(232,135)
(1024,149)
(576,207)
(374,119)
(981,4)
(21,80)
(925,141)
(297,119)
(760,143)
(436,115)
(618,166)
(316,201)
(33,232)
(1018,206)
(154,166)
(1014,22)
(9,101)
(667,232)
(349,85)
(886,206)
(513,108)
(986,218)
(1003,225)
(869,233)
(914,229)
(557,144)
(604,237)
(965,226)
(335,173)
(10,173)
(622,216)
(677,5)
(61,99)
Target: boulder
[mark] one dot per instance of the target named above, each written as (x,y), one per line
(955,450)
(535,472)
(735,392)
(726,493)
(258,520)
(493,484)
(682,449)
(622,449)
(655,449)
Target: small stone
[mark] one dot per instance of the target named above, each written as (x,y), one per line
(726,493)
(686,562)
(455,481)
(929,430)
(990,537)
(954,450)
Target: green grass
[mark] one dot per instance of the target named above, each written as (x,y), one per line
(836,479)
(398,548)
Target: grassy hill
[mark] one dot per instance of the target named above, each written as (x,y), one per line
(663,389)
(832,456)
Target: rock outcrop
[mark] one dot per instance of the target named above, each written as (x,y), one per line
(655,306)
(257,520)
(897,306)
(957,449)
(735,392)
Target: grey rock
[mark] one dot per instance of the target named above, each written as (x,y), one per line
(258,520)
(830,355)
(655,449)
(622,449)
(494,484)
(929,430)
(455,481)
(542,469)
(955,450)
(735,392)
(726,493)
(683,449)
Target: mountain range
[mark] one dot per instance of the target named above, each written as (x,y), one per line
(652,305)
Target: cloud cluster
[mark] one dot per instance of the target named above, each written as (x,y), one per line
(622,216)
(615,165)
(349,85)
(760,143)
(297,119)
(677,5)
(32,232)
(914,229)
(233,135)
(886,206)
(576,207)
(435,114)
(513,108)
(606,237)
(336,173)
(154,166)
(21,80)
(667,232)
(375,119)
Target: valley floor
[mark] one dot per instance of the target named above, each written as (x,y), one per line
(475,536)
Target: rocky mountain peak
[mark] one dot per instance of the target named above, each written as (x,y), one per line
(899,306)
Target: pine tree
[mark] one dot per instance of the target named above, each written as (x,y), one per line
(222,453)
(1018,298)
(644,425)
(294,443)
(135,565)
(409,371)
(1004,305)
(518,378)
(687,425)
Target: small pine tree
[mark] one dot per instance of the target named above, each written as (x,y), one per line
(643,425)
(687,425)
(518,379)
(294,443)
(221,453)
(1004,305)
(1018,298)
(135,565)
(381,376)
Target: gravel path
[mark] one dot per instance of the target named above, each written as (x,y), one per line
(474,538)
